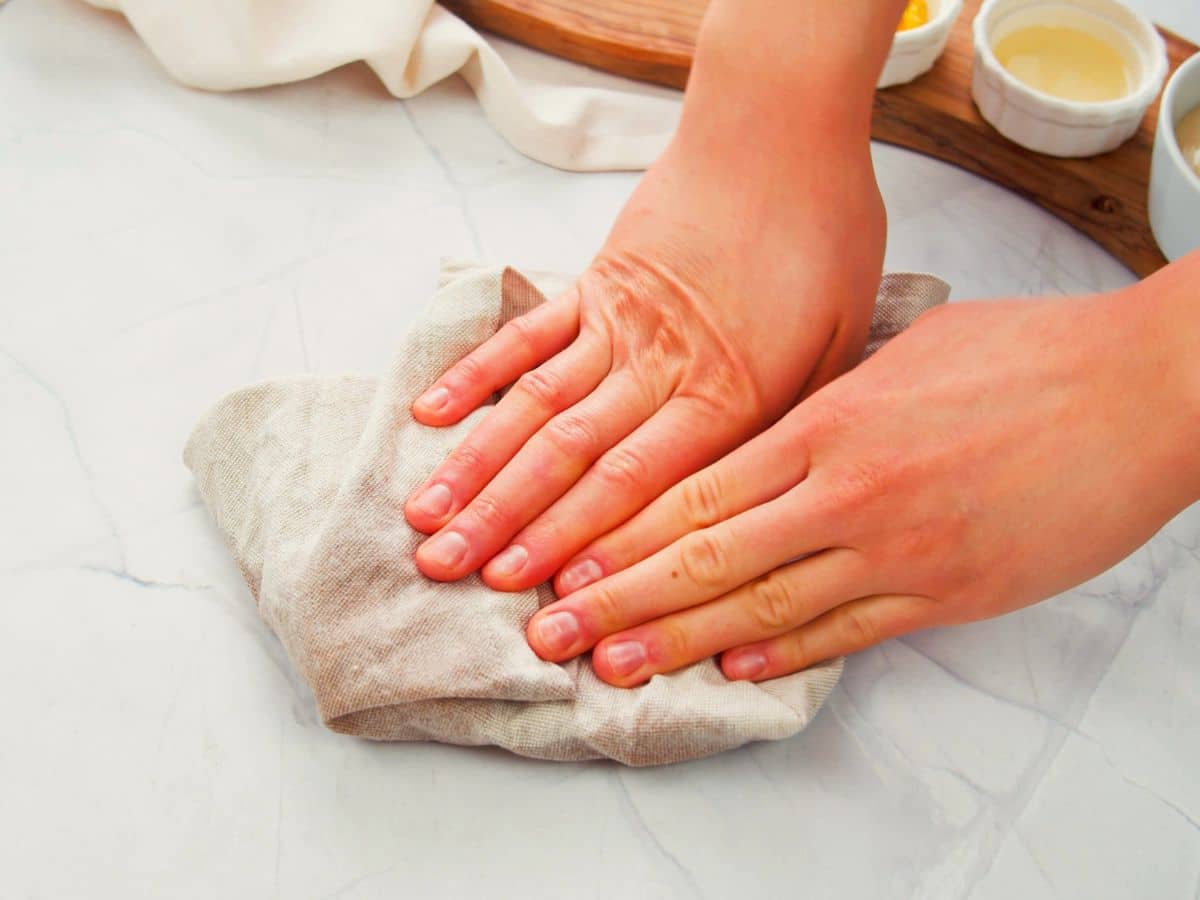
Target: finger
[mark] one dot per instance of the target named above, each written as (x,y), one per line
(536,398)
(541,472)
(755,473)
(697,568)
(842,630)
(672,444)
(765,608)
(520,345)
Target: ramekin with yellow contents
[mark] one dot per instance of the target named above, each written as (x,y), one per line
(920,39)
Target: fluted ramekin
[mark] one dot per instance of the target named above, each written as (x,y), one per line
(1053,125)
(1174,184)
(915,51)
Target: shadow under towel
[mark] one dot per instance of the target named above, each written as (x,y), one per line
(307,478)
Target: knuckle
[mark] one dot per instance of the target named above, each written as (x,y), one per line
(469,370)
(860,484)
(701,498)
(833,410)
(797,649)
(772,606)
(544,388)
(670,643)
(623,468)
(521,331)
(858,629)
(490,513)
(573,436)
(704,559)
(729,385)
(651,377)
(604,610)
(547,531)
(467,457)
(922,540)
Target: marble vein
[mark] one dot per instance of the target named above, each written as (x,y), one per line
(635,817)
(294,264)
(72,435)
(345,889)
(459,190)
(138,581)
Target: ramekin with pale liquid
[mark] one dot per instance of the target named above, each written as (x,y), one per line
(1121,62)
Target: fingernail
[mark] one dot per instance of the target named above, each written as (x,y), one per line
(434,501)
(747,664)
(558,631)
(446,549)
(579,575)
(626,657)
(510,562)
(435,399)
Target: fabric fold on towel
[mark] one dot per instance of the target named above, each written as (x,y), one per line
(307,478)
(411,45)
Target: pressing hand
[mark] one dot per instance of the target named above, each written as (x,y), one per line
(739,278)
(994,454)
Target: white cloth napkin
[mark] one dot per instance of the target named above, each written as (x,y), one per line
(225,45)
(307,478)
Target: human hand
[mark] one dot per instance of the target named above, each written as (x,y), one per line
(728,289)
(994,454)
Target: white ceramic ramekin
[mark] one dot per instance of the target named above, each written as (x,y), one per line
(1050,124)
(1174,185)
(915,51)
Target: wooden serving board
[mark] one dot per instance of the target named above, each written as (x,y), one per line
(652,40)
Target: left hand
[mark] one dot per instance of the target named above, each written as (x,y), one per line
(739,278)
(725,292)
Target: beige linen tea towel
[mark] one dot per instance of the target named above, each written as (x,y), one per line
(307,478)
(602,123)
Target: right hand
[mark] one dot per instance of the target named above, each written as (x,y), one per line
(992,455)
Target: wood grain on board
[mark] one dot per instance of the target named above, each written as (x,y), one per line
(652,40)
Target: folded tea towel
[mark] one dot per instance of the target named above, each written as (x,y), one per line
(307,478)
(223,45)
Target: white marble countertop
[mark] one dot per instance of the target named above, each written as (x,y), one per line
(161,246)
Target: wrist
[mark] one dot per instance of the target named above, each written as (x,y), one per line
(772,121)
(784,77)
